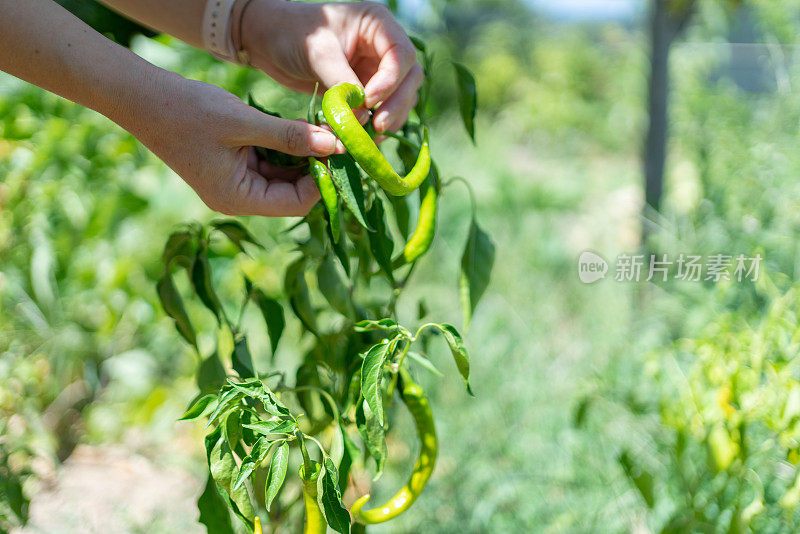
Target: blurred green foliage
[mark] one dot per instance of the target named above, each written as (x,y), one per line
(603,408)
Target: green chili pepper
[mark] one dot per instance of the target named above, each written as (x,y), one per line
(422,237)
(315,521)
(322,177)
(337,105)
(414,398)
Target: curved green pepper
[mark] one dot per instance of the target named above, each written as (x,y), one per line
(322,177)
(422,237)
(414,398)
(337,106)
(315,521)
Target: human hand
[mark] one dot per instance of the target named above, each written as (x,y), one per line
(299,44)
(207,135)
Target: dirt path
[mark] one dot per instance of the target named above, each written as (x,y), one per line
(110,489)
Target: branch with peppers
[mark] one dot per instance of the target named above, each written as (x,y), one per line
(330,416)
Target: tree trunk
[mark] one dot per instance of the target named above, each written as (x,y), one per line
(655,148)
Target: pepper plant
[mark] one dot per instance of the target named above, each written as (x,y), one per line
(333,410)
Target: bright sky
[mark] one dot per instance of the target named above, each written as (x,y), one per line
(590,9)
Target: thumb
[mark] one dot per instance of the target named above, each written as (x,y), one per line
(289,136)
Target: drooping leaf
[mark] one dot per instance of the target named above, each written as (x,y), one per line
(297,291)
(476,269)
(236,232)
(642,479)
(241,359)
(203,286)
(213,510)
(467,98)
(424,362)
(277,472)
(311,113)
(335,512)
(347,179)
(402,215)
(198,407)
(456,344)
(223,468)
(332,286)
(418,43)
(372,377)
(340,249)
(273,315)
(173,306)
(373,434)
(210,374)
(180,248)
(258,454)
(380,241)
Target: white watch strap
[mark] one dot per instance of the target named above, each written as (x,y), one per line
(217,29)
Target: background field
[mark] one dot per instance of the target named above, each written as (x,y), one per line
(612,407)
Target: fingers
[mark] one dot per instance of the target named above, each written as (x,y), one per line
(330,65)
(392,113)
(291,137)
(255,195)
(397,56)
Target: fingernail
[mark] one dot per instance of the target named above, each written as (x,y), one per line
(323,143)
(381,121)
(339,147)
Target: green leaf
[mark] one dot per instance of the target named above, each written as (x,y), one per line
(255,389)
(268,428)
(213,510)
(347,179)
(335,512)
(340,249)
(418,43)
(373,434)
(210,374)
(173,305)
(277,472)
(643,480)
(311,114)
(380,241)
(233,429)
(258,454)
(201,281)
(350,453)
(402,215)
(223,468)
(389,325)
(199,406)
(332,286)
(272,312)
(467,98)
(241,359)
(297,291)
(180,245)
(228,399)
(476,269)
(424,362)
(372,377)
(236,232)
(460,356)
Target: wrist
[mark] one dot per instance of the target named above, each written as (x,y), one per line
(261,19)
(143,98)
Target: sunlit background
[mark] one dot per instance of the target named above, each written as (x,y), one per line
(611,407)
